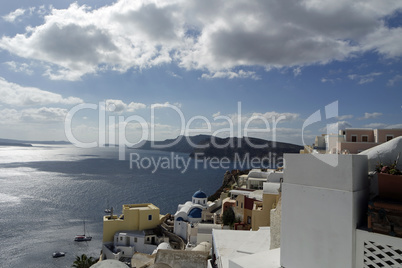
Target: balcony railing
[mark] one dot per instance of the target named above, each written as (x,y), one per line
(376,250)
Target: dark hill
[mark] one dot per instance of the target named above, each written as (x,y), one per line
(182,144)
(253,147)
(210,146)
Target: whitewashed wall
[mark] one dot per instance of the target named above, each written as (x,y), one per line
(321,207)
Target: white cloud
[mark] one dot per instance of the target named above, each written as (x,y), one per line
(174,75)
(277,116)
(19,67)
(370,115)
(218,37)
(375,125)
(330,80)
(297,71)
(165,105)
(118,106)
(12,16)
(9,116)
(364,79)
(44,115)
(394,80)
(343,117)
(395,126)
(385,41)
(216,114)
(132,106)
(14,94)
(33,115)
(231,75)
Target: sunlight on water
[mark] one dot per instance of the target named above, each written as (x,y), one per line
(6,199)
(46,193)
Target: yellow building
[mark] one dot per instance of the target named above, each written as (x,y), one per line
(261,211)
(136,217)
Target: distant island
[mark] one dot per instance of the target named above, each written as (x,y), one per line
(225,147)
(24,143)
(17,144)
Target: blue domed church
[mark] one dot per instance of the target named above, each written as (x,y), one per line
(190,212)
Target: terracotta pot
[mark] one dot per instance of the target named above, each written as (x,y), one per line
(390,186)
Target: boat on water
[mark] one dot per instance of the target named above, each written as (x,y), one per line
(58,254)
(83,237)
(108,210)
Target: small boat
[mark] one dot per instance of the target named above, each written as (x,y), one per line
(107,209)
(84,237)
(58,254)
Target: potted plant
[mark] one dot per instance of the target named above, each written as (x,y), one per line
(389,181)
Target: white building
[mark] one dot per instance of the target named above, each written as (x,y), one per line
(189,213)
(125,244)
(256,178)
(323,218)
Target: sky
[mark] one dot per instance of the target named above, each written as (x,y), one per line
(122,71)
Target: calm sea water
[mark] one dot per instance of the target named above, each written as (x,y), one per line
(46,192)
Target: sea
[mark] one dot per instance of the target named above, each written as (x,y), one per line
(48,192)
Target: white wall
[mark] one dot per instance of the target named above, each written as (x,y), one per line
(127,251)
(275,176)
(109,254)
(204,238)
(180,228)
(321,207)
(145,248)
(139,246)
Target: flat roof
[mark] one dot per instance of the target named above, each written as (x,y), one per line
(243,192)
(271,187)
(264,259)
(206,228)
(231,244)
(140,206)
(109,264)
(257,194)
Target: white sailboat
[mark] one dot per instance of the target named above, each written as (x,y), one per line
(84,237)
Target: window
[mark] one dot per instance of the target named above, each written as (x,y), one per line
(242,205)
(248,220)
(389,137)
(354,138)
(121,238)
(364,138)
(150,217)
(135,239)
(237,203)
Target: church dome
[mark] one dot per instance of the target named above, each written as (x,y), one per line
(199,194)
(195,213)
